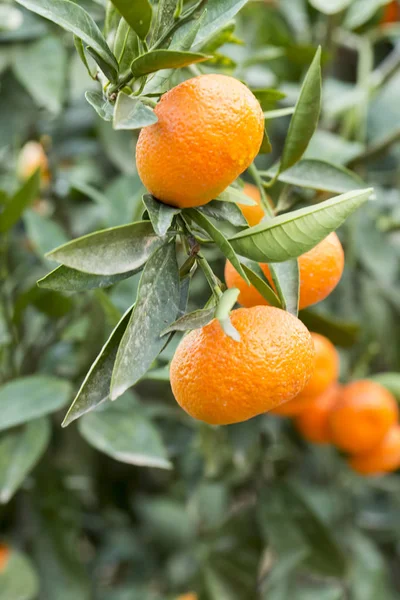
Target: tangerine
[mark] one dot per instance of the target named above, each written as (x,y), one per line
(383,458)
(313,422)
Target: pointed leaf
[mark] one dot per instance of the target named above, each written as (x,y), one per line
(64,279)
(219,239)
(305,118)
(319,175)
(79,47)
(161,215)
(131,113)
(224,211)
(111,251)
(126,437)
(95,388)
(103,65)
(286,278)
(257,278)
(17,204)
(164,59)
(225,304)
(290,235)
(157,305)
(20,450)
(165,17)
(101,105)
(194,320)
(138,14)
(27,398)
(74,18)
(268,97)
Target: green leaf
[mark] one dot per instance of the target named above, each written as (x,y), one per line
(157,305)
(257,278)
(43,232)
(361,11)
(219,239)
(225,304)
(330,7)
(391,381)
(236,196)
(290,235)
(138,14)
(95,388)
(164,59)
(266,146)
(41,68)
(20,450)
(305,118)
(165,17)
(21,199)
(108,71)
(18,580)
(131,113)
(101,105)
(10,18)
(64,279)
(74,18)
(318,175)
(27,398)
(286,278)
(82,55)
(193,320)
(268,97)
(110,251)
(161,215)
(126,437)
(224,211)
(341,333)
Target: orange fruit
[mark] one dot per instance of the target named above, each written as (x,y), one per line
(32,157)
(187,597)
(362,417)
(391,13)
(253,214)
(383,458)
(221,381)
(4,555)
(326,372)
(209,130)
(313,422)
(320,271)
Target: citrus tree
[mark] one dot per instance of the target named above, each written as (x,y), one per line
(162,162)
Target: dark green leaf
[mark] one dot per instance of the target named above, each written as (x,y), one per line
(305,118)
(157,305)
(290,235)
(266,146)
(41,69)
(286,278)
(268,97)
(194,320)
(108,71)
(164,59)
(161,215)
(257,278)
(74,18)
(82,55)
(219,239)
(64,279)
(138,14)
(18,580)
(111,251)
(17,204)
(101,105)
(20,450)
(27,398)
(95,388)
(126,437)
(131,113)
(341,333)
(224,306)
(224,211)
(319,175)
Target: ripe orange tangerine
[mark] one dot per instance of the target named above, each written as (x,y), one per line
(253,214)
(221,381)
(209,130)
(362,417)
(320,271)
(313,422)
(326,372)
(383,458)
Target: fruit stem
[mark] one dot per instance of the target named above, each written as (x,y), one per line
(209,274)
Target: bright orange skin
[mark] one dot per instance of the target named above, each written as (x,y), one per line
(320,271)
(383,458)
(313,423)
(326,373)
(363,416)
(4,556)
(209,130)
(220,381)
(253,214)
(391,13)
(32,157)
(187,597)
